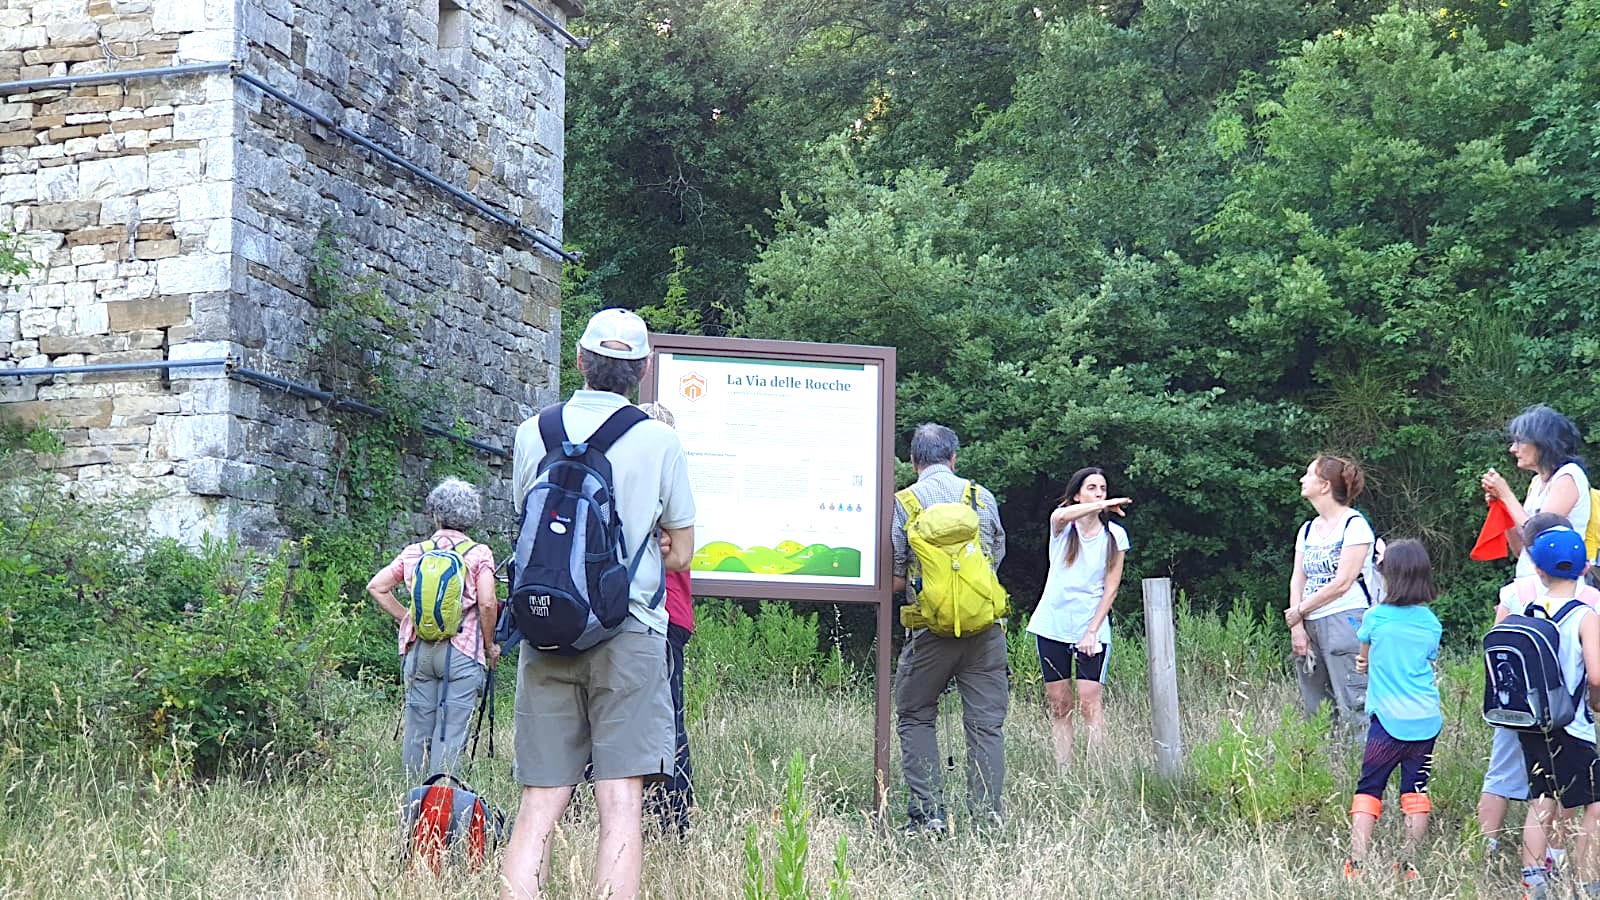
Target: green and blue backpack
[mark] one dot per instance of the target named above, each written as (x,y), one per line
(437,590)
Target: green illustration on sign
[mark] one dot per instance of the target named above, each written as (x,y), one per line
(788,558)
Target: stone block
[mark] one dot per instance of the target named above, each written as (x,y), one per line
(118,176)
(171,168)
(23,186)
(71,413)
(193,274)
(119,211)
(202,122)
(197,437)
(124,436)
(156,249)
(212,200)
(227,478)
(35,322)
(205,350)
(206,46)
(22,38)
(55,345)
(158,205)
(66,216)
(170,17)
(76,457)
(141,409)
(136,315)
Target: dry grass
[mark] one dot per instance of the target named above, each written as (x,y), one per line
(1104,830)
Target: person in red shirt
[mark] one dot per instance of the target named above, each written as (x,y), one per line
(670,800)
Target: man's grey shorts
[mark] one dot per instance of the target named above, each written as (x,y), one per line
(1507,775)
(611,705)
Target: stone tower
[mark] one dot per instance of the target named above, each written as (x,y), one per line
(171,166)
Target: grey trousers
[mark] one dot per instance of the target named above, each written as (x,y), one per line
(442,686)
(1328,671)
(978,665)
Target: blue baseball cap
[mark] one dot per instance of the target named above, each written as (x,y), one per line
(1559,553)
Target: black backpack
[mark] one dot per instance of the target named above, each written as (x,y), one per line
(1522,687)
(569,588)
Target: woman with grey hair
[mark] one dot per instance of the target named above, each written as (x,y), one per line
(1547,444)
(444,658)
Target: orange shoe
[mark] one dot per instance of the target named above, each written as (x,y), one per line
(1352,870)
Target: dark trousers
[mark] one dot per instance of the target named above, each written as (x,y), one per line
(669,800)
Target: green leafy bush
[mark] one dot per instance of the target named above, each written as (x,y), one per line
(1258,775)
(148,652)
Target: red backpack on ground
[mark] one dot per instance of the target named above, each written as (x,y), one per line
(444,820)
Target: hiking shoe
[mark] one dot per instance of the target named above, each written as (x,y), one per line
(1352,870)
(1536,891)
(1405,871)
(926,826)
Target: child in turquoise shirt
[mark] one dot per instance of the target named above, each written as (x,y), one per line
(1399,642)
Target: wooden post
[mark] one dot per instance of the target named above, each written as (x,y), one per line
(1161,651)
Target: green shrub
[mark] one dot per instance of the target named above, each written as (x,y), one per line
(1233,650)
(1268,775)
(733,651)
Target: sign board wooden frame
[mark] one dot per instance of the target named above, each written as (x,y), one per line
(873,583)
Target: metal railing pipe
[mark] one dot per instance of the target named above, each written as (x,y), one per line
(580,43)
(68,81)
(415,170)
(151,365)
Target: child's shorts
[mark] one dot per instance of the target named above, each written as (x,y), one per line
(1384,753)
(1508,774)
(1563,767)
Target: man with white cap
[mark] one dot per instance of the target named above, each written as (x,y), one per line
(610,704)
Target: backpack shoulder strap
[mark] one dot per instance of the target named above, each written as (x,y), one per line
(1567,609)
(615,426)
(427,546)
(907,498)
(552,430)
(1305,532)
(972,494)
(463,547)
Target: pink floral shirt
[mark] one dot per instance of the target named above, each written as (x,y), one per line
(479,559)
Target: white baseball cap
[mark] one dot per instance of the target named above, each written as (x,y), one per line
(616,326)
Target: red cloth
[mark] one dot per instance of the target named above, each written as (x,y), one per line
(1492,536)
(680,600)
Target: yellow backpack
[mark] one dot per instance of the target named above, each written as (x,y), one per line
(951,580)
(1591,534)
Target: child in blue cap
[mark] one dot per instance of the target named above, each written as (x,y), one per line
(1563,764)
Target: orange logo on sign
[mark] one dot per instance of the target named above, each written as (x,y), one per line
(692,387)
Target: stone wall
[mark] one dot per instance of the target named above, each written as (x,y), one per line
(175,218)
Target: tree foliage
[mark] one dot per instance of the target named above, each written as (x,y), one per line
(1192,242)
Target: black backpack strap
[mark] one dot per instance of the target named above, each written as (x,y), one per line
(614,427)
(972,494)
(1567,609)
(552,430)
(638,556)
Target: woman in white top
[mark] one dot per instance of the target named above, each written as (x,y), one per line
(1546,443)
(1328,594)
(1072,624)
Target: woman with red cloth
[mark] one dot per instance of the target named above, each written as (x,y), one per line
(1547,444)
